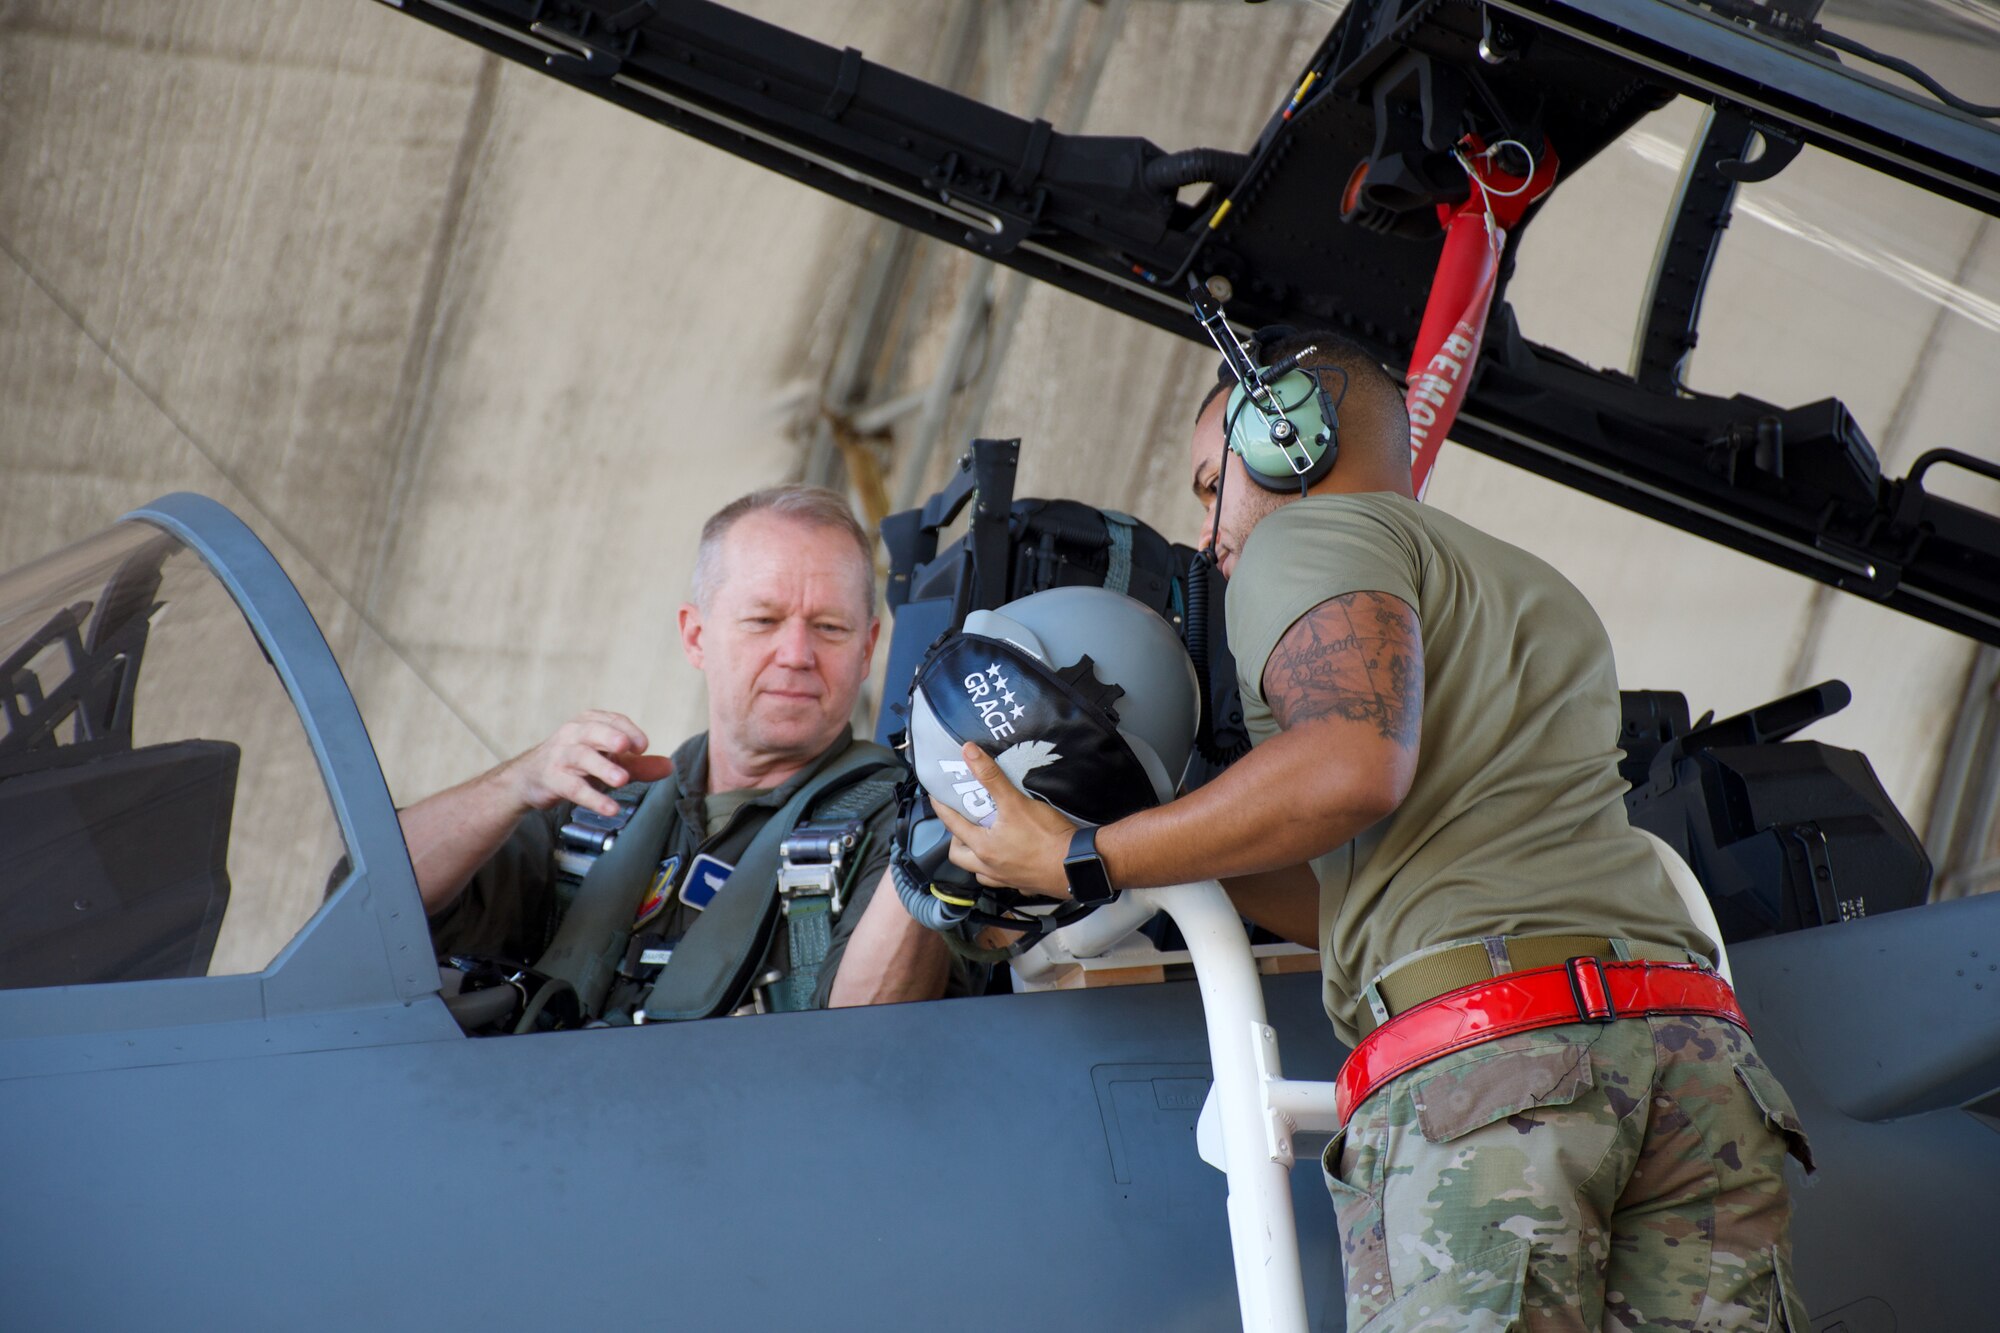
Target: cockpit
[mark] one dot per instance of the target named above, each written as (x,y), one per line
(162,813)
(189,803)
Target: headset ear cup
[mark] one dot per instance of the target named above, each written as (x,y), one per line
(1250,440)
(1250,436)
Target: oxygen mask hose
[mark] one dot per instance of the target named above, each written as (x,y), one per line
(920,856)
(925,909)
(941,897)
(1197,645)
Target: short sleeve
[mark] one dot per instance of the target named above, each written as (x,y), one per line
(866,876)
(508,909)
(961,979)
(1303,554)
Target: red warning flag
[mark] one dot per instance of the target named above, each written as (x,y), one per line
(1454,324)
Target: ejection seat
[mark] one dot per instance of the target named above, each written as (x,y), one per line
(122,863)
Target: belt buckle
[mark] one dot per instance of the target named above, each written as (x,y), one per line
(1591,991)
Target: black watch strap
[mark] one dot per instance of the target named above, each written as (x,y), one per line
(1089,880)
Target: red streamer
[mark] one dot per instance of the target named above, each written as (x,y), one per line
(1454,326)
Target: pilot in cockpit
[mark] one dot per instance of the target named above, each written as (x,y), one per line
(589,880)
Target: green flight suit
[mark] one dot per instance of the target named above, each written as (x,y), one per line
(512,907)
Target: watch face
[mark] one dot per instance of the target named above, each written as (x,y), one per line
(1088,882)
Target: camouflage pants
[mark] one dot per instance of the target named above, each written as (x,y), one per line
(1619,1177)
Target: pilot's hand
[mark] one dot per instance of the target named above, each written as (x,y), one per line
(1026,843)
(592,753)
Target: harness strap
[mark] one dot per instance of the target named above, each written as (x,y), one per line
(864,800)
(822,856)
(590,943)
(714,963)
(809,935)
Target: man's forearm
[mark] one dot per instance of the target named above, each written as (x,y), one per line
(1278,806)
(1347,695)
(451,834)
(889,959)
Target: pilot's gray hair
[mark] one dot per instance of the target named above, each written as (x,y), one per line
(814,506)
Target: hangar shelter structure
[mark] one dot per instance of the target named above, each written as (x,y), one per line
(318,1142)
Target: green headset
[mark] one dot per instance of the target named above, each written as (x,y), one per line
(1301,450)
(1280,420)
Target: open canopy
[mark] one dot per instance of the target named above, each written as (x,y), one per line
(1395,89)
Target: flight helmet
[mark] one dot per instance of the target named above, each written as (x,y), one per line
(1084,697)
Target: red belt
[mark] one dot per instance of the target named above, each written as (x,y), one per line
(1583,990)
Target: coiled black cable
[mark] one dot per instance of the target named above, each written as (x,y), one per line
(1217,166)
(1197,645)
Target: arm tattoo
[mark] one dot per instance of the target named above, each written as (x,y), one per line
(1359,658)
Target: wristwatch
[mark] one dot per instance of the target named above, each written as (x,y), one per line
(1089,881)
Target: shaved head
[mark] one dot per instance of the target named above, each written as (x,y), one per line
(1373,441)
(1374,425)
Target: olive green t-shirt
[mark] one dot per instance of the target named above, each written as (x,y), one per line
(1515,822)
(718,806)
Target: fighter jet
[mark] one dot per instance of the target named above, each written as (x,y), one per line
(244,1100)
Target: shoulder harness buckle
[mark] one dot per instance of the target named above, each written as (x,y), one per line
(812,859)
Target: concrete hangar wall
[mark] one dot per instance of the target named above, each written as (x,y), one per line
(474,353)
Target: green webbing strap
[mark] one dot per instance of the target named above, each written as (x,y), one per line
(591,942)
(809,916)
(809,927)
(861,801)
(715,961)
(1118,573)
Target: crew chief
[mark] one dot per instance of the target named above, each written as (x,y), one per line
(1434,714)
(782,627)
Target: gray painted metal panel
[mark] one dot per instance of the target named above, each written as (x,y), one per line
(988,1163)
(1874,1018)
(1890,1015)
(950,1165)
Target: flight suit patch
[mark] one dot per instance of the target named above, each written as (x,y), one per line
(658,891)
(705,878)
